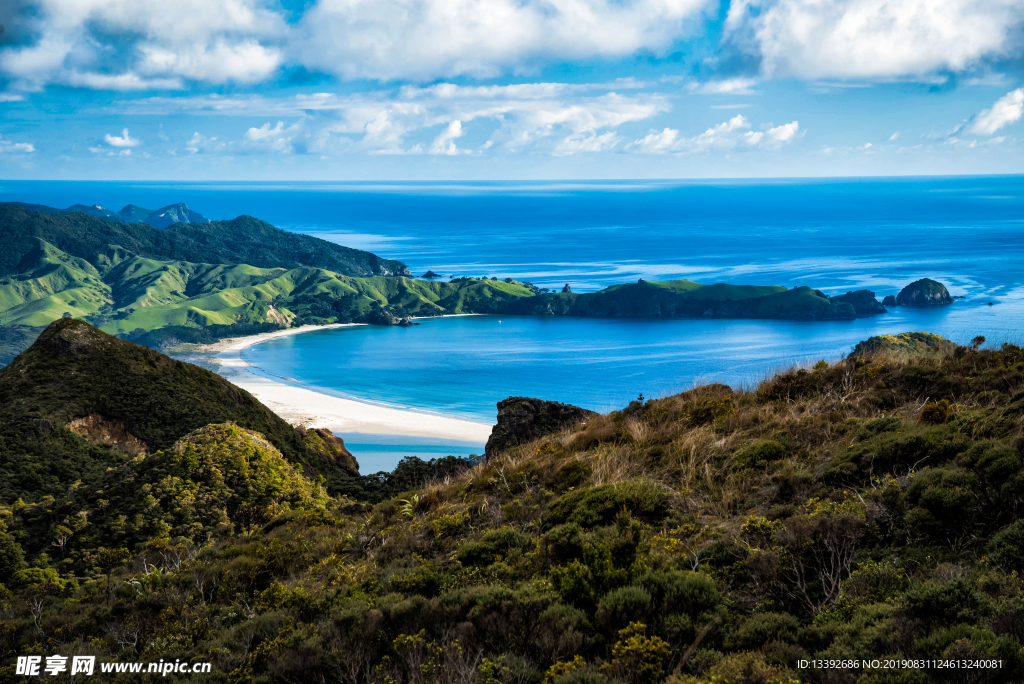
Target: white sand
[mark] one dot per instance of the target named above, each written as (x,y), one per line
(314,409)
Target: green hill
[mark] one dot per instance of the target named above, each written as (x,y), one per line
(711,537)
(75,380)
(243,240)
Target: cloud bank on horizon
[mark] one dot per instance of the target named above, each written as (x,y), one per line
(482,87)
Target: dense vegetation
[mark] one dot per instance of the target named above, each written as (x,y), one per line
(244,240)
(129,395)
(866,509)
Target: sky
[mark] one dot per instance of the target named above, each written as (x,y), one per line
(509,89)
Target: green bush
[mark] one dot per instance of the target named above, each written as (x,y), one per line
(493,545)
(565,542)
(942,503)
(422,581)
(1006,548)
(878,426)
(599,505)
(762,628)
(758,454)
(624,605)
(679,592)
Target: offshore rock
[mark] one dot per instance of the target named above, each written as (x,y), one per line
(523,419)
(890,300)
(862,301)
(924,292)
(566,289)
(430,275)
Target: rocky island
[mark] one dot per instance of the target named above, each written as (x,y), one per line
(924,292)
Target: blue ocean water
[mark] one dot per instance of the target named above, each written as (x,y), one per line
(835,235)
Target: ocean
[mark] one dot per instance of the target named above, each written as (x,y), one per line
(836,235)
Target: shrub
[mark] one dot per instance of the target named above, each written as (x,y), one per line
(935,412)
(679,592)
(624,605)
(599,505)
(878,426)
(492,545)
(762,628)
(565,542)
(759,454)
(422,581)
(710,410)
(638,658)
(573,474)
(1006,548)
(942,503)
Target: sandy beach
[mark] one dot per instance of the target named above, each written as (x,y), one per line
(301,405)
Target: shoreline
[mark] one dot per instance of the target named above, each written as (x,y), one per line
(319,410)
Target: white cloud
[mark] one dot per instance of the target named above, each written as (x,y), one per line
(445,143)
(894,136)
(730,86)
(1006,110)
(11,97)
(276,139)
(144,44)
(125,81)
(874,39)
(9,147)
(726,135)
(424,39)
(655,142)
(123,140)
(781,134)
(201,144)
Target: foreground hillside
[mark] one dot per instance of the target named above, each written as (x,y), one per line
(863,510)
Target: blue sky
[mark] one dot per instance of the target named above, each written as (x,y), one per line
(502,89)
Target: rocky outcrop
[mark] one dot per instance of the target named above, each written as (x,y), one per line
(430,275)
(890,300)
(328,444)
(924,292)
(523,419)
(100,430)
(388,315)
(862,301)
(566,289)
(904,344)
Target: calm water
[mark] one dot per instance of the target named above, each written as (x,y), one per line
(462,366)
(834,235)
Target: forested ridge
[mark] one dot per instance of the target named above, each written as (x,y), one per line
(868,509)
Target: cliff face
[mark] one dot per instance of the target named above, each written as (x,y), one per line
(650,300)
(522,420)
(924,292)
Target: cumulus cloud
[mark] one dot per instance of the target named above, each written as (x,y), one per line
(726,135)
(8,147)
(1006,110)
(874,39)
(143,44)
(276,139)
(445,143)
(123,140)
(424,39)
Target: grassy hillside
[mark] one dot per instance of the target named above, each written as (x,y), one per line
(242,240)
(123,292)
(869,509)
